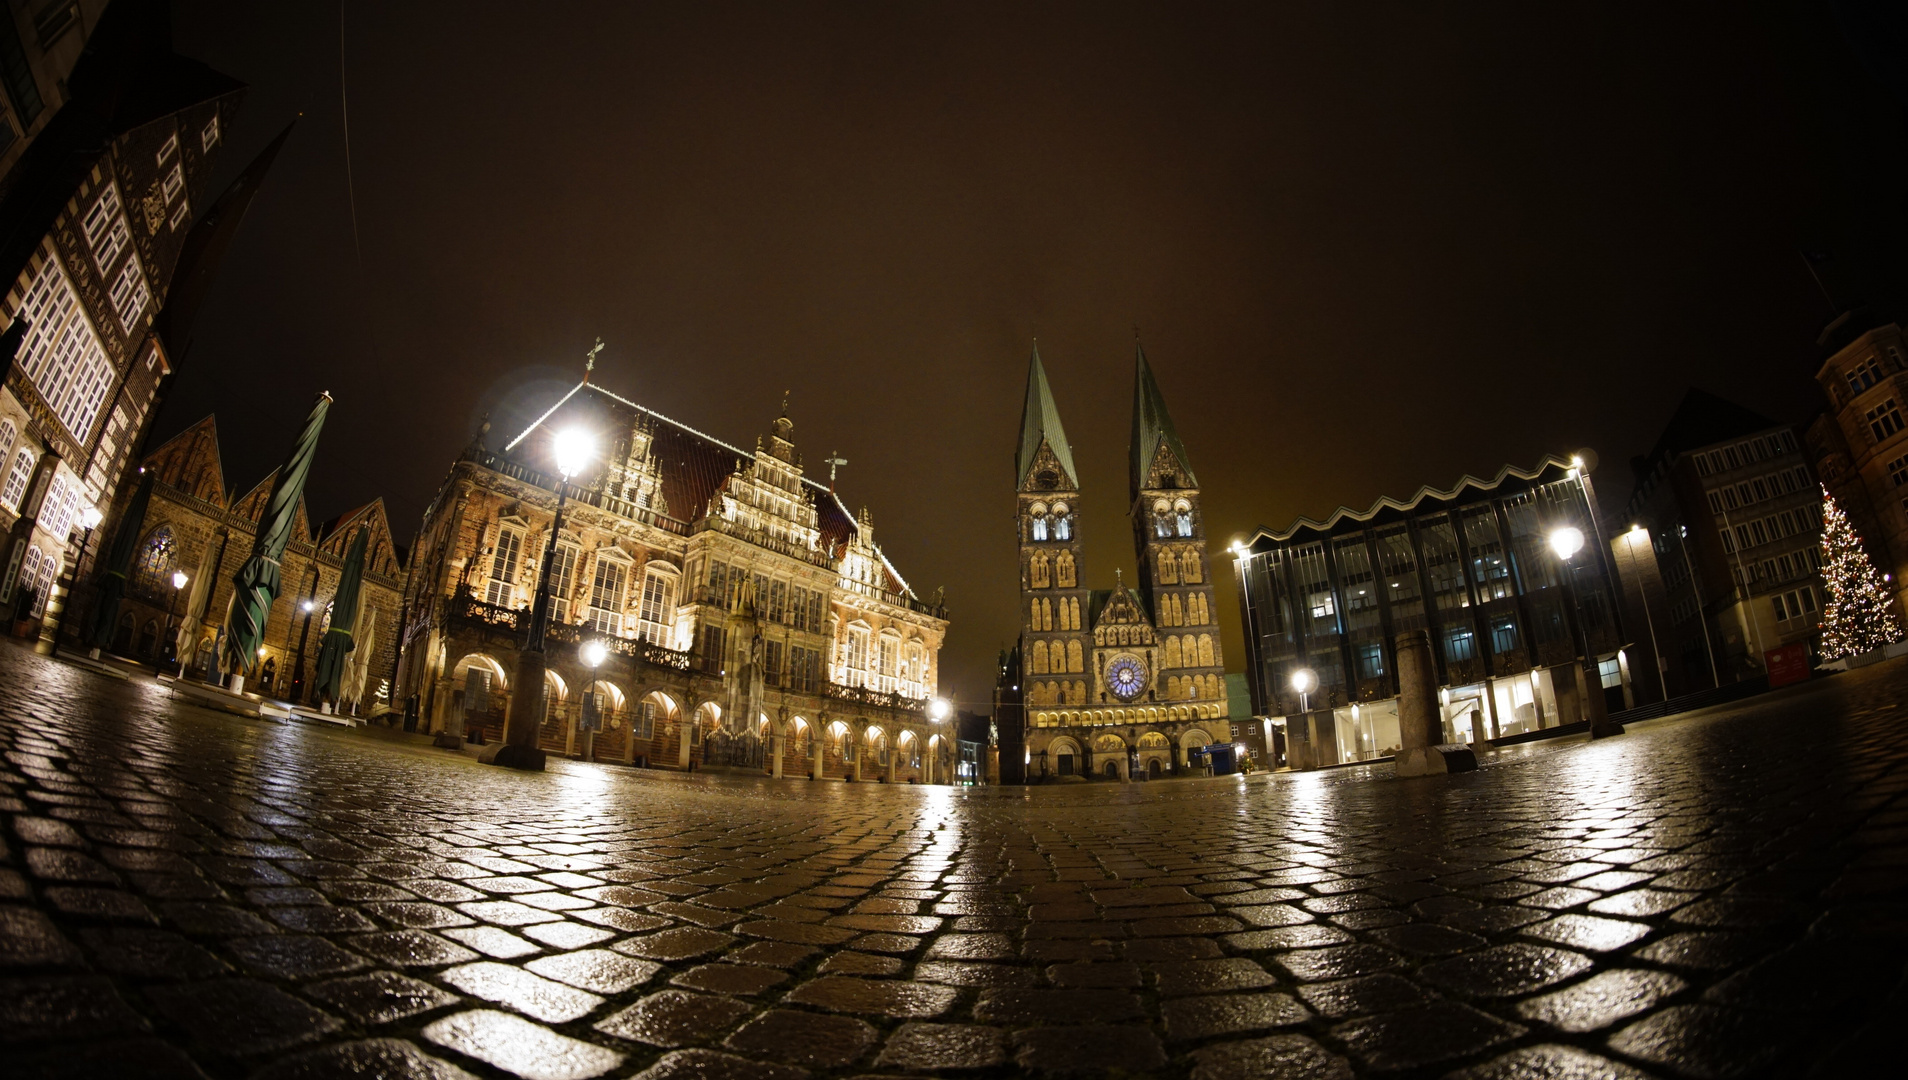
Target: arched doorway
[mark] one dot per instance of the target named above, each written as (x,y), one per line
(1152,768)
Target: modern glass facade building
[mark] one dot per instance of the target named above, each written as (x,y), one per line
(1474,567)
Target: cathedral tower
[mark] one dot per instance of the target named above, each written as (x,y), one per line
(1053,609)
(1169,536)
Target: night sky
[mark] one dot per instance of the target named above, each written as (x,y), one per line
(1368,246)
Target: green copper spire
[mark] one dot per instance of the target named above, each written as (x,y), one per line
(1040,419)
(1152,426)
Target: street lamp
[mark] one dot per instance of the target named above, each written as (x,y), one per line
(937,710)
(179,580)
(1566,541)
(573,449)
(1305,680)
(594,653)
(89,520)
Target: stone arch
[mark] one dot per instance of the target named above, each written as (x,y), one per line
(557,689)
(1063,745)
(1168,568)
(1041,665)
(1172,652)
(1064,570)
(1194,738)
(613,696)
(1108,743)
(1076,659)
(499,675)
(1153,740)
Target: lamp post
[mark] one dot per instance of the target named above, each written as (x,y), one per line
(1304,680)
(1640,535)
(573,450)
(298,666)
(179,580)
(594,652)
(89,520)
(1565,542)
(937,713)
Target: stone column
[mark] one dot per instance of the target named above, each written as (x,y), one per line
(1419,728)
(682,732)
(449,719)
(775,749)
(524,720)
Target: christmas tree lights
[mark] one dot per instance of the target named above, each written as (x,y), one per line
(1856,619)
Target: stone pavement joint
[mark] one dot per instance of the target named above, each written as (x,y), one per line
(186,893)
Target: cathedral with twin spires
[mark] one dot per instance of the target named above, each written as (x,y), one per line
(1126,681)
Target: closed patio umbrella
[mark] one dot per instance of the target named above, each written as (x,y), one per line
(119,559)
(344,617)
(193,625)
(358,667)
(256,584)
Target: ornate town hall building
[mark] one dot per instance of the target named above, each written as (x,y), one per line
(1122,681)
(750,619)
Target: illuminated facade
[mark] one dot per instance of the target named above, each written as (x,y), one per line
(1471,566)
(751,619)
(1860,446)
(108,158)
(1734,521)
(194,522)
(1121,681)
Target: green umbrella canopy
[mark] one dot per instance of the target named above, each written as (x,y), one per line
(256,584)
(344,615)
(119,558)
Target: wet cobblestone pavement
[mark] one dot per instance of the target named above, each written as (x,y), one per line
(185,893)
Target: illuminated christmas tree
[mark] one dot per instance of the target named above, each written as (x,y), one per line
(1856,618)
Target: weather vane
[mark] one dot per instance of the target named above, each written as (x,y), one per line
(589,359)
(834,460)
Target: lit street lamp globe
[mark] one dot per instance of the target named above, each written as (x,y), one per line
(1566,541)
(1303,680)
(937,710)
(179,579)
(594,653)
(90,518)
(573,448)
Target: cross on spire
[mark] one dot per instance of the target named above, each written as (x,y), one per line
(589,359)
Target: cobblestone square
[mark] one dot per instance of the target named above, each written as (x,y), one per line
(186,893)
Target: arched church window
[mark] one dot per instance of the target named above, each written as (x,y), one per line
(152,570)
(1038,514)
(1168,568)
(1065,562)
(1062,522)
(1189,569)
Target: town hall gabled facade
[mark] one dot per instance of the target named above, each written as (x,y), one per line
(1121,681)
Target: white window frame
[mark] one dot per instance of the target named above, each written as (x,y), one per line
(608,618)
(209,138)
(504,566)
(19,478)
(173,185)
(62,355)
(131,294)
(656,615)
(568,554)
(166,150)
(105,227)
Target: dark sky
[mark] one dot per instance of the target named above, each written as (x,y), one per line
(1369,246)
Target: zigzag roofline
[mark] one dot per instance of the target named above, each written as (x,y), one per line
(1549,467)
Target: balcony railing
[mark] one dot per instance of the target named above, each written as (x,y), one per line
(470,609)
(881,699)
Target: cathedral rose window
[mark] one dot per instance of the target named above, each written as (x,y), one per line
(1126,677)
